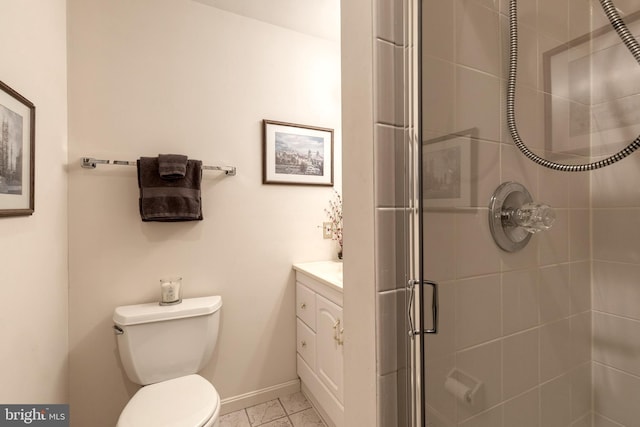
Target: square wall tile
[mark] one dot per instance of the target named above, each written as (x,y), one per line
(579,234)
(387,400)
(555,349)
(389,173)
(476,252)
(580,286)
(612,395)
(389,342)
(581,338)
(615,288)
(492,417)
(472,85)
(478,310)
(391,248)
(439,245)
(438,96)
(389,82)
(615,235)
(520,301)
(523,411)
(555,292)
(437,28)
(520,369)
(553,19)
(555,402)
(389,20)
(581,392)
(614,342)
(477,37)
(483,363)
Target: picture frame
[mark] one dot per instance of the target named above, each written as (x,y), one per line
(446,171)
(295,154)
(17,153)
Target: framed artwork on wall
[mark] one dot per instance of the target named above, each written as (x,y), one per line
(296,154)
(17,153)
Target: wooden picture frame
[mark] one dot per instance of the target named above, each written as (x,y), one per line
(17,153)
(295,154)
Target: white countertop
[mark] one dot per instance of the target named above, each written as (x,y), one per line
(327,272)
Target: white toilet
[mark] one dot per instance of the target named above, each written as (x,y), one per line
(162,348)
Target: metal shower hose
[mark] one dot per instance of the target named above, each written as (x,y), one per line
(633,46)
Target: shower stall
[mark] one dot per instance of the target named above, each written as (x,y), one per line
(546,334)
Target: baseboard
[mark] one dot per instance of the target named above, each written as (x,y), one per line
(235,403)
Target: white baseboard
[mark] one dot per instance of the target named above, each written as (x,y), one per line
(235,403)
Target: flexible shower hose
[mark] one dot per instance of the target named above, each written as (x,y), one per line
(627,38)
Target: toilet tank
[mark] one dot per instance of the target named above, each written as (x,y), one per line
(158,343)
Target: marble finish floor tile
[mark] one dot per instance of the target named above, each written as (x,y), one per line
(235,419)
(306,418)
(265,412)
(288,411)
(295,403)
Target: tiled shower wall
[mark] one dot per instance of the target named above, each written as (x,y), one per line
(518,323)
(521,324)
(390,157)
(616,232)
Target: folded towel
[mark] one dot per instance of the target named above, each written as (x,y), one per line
(172,166)
(169,200)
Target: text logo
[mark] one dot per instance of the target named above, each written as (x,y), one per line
(34,415)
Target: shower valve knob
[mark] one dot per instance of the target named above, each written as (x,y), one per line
(533,217)
(514,217)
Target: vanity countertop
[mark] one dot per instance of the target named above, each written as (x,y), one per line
(327,272)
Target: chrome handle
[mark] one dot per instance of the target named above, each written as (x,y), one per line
(117,330)
(434,306)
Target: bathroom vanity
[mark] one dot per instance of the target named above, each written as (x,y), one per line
(320,337)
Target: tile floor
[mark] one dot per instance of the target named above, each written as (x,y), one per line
(290,411)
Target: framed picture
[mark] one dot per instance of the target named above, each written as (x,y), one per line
(297,154)
(17,147)
(446,171)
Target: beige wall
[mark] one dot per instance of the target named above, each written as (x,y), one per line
(152,76)
(359,292)
(519,323)
(33,317)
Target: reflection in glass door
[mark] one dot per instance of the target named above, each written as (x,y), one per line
(537,337)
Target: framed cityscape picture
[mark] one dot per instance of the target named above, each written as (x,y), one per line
(297,154)
(17,153)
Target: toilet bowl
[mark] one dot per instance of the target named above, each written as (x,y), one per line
(163,348)
(189,401)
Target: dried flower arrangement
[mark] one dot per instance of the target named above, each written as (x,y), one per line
(335,216)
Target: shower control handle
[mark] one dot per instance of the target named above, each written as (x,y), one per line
(434,307)
(533,217)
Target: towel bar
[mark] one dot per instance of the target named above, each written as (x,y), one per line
(91,163)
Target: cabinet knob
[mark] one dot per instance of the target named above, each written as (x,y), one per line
(303,305)
(303,344)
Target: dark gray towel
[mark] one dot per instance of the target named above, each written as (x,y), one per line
(172,166)
(169,200)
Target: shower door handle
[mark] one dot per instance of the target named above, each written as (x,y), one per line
(434,306)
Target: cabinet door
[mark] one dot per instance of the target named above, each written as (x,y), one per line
(329,348)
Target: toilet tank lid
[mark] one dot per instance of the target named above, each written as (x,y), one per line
(154,312)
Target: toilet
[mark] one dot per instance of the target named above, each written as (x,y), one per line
(162,348)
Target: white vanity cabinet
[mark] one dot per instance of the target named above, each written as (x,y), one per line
(320,338)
